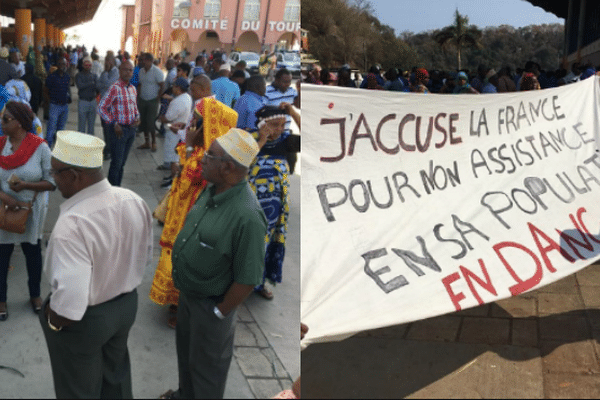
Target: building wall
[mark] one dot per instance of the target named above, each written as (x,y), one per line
(183,25)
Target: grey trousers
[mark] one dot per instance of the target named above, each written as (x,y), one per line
(204,348)
(90,358)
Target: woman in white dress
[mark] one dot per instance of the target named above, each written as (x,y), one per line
(24,171)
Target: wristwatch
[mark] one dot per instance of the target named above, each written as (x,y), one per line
(54,328)
(215,310)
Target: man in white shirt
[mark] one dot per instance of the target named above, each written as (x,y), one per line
(171,73)
(178,112)
(95,260)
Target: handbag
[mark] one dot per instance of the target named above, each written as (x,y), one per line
(160,212)
(15,220)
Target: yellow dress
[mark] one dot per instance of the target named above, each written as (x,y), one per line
(185,189)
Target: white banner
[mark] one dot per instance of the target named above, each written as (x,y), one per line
(416,205)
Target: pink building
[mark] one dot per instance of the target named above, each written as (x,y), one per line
(163,27)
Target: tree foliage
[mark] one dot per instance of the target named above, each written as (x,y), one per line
(459,35)
(346,31)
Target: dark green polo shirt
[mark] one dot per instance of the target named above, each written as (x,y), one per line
(222,241)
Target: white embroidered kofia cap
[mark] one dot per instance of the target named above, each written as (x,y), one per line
(240,145)
(78,149)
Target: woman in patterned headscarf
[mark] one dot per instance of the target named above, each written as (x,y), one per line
(462,84)
(211,119)
(529,82)
(268,177)
(419,84)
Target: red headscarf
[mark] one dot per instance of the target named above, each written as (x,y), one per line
(20,157)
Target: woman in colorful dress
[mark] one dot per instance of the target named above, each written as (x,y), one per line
(215,119)
(268,177)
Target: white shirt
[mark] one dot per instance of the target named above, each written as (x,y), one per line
(179,108)
(99,248)
(171,76)
(97,68)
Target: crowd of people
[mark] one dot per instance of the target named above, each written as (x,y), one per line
(484,80)
(228,153)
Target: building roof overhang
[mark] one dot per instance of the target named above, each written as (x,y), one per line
(556,7)
(62,14)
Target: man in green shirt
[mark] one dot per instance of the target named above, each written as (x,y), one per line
(218,258)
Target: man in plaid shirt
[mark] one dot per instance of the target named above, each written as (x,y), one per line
(118,109)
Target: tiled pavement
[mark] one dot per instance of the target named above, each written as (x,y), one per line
(267,347)
(542,344)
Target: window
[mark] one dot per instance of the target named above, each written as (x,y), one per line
(252,10)
(212,9)
(292,11)
(181,9)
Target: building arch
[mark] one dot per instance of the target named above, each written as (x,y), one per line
(209,40)
(248,41)
(178,40)
(288,41)
(128,47)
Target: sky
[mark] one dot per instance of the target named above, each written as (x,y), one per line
(422,15)
(104,31)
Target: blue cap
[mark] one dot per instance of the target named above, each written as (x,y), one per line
(182,83)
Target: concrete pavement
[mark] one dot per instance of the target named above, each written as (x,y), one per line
(542,344)
(267,347)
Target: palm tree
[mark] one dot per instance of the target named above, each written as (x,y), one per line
(460,35)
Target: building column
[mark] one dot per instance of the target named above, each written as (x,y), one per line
(57,36)
(39,33)
(50,35)
(63,36)
(23,37)
(581,29)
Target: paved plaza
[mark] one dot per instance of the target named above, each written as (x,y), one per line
(267,341)
(542,344)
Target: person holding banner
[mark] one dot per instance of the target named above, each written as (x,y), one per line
(269,179)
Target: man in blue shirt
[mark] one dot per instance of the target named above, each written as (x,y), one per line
(225,90)
(281,91)
(253,100)
(57,93)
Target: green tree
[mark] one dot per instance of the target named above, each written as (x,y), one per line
(460,35)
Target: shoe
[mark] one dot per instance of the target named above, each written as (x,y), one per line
(166,183)
(169,394)
(144,146)
(163,168)
(167,178)
(3,314)
(266,293)
(172,322)
(173,309)
(36,304)
(153,149)
(106,157)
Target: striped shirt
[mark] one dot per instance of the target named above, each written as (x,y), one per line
(119,104)
(275,97)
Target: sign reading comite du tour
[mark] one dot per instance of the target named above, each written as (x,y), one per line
(414,205)
(223,24)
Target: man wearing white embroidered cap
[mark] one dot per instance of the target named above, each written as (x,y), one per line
(95,260)
(217,260)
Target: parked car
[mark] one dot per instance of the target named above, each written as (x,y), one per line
(248,56)
(290,61)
